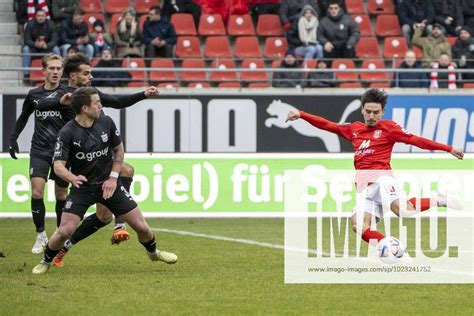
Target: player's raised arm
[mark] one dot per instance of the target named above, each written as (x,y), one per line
(316,121)
(55,99)
(123,101)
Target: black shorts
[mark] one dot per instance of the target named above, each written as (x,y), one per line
(80,199)
(41,167)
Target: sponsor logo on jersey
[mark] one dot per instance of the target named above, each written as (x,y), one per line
(93,155)
(117,132)
(377,134)
(104,137)
(364,148)
(46,114)
(78,144)
(365,144)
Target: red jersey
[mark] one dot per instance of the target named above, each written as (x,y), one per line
(373,145)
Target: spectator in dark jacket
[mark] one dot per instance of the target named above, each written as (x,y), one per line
(159,35)
(288,79)
(290,11)
(324,79)
(413,79)
(324,5)
(40,38)
(171,7)
(63,9)
(463,52)
(74,32)
(468,11)
(338,33)
(412,12)
(114,78)
(449,14)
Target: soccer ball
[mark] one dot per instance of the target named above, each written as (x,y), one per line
(390,249)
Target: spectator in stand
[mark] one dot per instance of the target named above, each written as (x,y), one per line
(71,51)
(412,79)
(290,11)
(127,37)
(463,52)
(324,5)
(413,12)
(258,7)
(171,7)
(99,38)
(63,9)
(443,79)
(302,36)
(338,33)
(290,78)
(25,10)
(323,79)
(433,45)
(158,34)
(468,11)
(74,32)
(40,38)
(448,13)
(114,78)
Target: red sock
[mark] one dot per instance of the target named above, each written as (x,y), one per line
(372,234)
(422,204)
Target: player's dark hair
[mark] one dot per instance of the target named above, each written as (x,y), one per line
(74,62)
(375,96)
(46,58)
(81,97)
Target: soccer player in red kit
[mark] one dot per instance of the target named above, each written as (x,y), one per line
(373,142)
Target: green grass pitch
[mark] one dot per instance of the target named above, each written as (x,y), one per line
(211,277)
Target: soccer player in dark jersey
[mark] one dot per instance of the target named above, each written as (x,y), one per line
(373,143)
(78,70)
(91,145)
(48,121)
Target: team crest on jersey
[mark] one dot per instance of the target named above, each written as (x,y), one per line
(104,137)
(377,134)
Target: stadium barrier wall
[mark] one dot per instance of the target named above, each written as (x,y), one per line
(219,185)
(253,122)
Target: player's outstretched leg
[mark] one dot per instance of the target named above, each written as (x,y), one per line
(68,225)
(146,237)
(364,228)
(38,211)
(89,226)
(60,191)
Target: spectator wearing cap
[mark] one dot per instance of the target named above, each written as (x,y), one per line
(74,32)
(463,52)
(290,11)
(115,78)
(127,37)
(433,45)
(412,79)
(63,9)
(448,14)
(338,33)
(159,35)
(99,38)
(289,78)
(322,79)
(413,12)
(40,38)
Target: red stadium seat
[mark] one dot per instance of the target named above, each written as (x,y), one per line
(217,46)
(387,25)
(418,51)
(211,24)
(380,85)
(365,27)
(142,6)
(260,85)
(116,6)
(139,77)
(114,21)
(394,47)
(218,76)
(36,75)
(229,85)
(311,64)
(161,75)
(90,18)
(381,7)
(183,24)
(168,85)
(188,47)
(341,63)
(253,76)
(142,20)
(199,85)
(91,6)
(355,7)
(451,40)
(193,75)
(367,47)
(276,63)
(469,86)
(373,76)
(94,62)
(275,47)
(269,25)
(239,25)
(247,46)
(350,85)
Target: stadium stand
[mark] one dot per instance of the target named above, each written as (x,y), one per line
(142,6)
(223,64)
(373,76)
(116,6)
(269,25)
(387,25)
(90,18)
(139,77)
(247,46)
(355,7)
(91,6)
(381,7)
(217,46)
(211,24)
(253,76)
(183,24)
(363,20)
(275,47)
(160,75)
(341,63)
(239,25)
(367,47)
(187,76)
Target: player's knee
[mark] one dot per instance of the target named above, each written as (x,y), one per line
(61,194)
(37,193)
(127,171)
(65,232)
(105,217)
